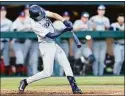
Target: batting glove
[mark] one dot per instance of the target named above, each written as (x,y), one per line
(67,23)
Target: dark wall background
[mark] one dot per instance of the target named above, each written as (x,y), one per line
(111,10)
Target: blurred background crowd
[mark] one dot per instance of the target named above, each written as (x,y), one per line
(20,57)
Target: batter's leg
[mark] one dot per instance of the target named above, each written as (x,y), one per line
(65,47)
(48,51)
(63,61)
(48,54)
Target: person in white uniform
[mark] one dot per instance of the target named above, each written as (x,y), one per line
(31,49)
(100,23)
(58,25)
(118,45)
(20,25)
(84,54)
(44,29)
(5,25)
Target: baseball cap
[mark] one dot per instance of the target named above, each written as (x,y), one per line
(85,14)
(101,7)
(27,6)
(22,14)
(3,8)
(66,13)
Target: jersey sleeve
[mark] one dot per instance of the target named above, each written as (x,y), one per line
(58,25)
(38,29)
(48,13)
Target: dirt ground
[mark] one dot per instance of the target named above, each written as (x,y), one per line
(89,90)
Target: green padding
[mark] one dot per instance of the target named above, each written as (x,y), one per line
(80,34)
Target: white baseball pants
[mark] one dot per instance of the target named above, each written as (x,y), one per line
(50,52)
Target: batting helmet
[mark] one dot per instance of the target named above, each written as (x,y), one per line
(36,12)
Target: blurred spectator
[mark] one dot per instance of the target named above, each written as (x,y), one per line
(5,25)
(84,54)
(31,47)
(58,25)
(118,45)
(20,24)
(100,23)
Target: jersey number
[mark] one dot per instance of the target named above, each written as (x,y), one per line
(46,25)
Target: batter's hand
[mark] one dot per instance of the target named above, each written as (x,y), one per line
(67,23)
(68,29)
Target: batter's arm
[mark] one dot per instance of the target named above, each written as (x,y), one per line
(54,15)
(58,17)
(57,34)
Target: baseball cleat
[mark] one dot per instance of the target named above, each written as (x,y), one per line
(23,84)
(77,91)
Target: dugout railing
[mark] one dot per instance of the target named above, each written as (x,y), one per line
(80,34)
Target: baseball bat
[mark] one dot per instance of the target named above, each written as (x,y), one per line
(78,43)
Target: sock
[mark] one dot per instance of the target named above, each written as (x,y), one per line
(72,82)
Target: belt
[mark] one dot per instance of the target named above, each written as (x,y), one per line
(118,43)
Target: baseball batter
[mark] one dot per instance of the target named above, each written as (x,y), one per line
(43,28)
